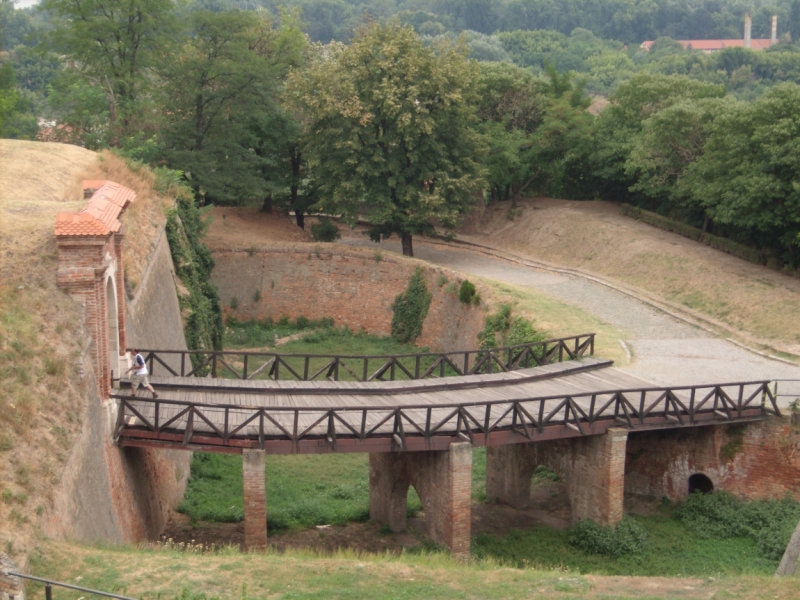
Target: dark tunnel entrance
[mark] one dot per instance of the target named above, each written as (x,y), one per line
(700,483)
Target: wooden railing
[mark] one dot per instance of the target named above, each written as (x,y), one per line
(291,429)
(309,367)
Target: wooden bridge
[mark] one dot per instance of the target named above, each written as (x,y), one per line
(319,403)
(419,416)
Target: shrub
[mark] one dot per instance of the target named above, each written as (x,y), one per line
(410,309)
(325,230)
(234,303)
(721,515)
(628,537)
(441,280)
(467,291)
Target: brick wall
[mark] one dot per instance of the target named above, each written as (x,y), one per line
(760,460)
(592,468)
(255,500)
(347,285)
(443,481)
(105,493)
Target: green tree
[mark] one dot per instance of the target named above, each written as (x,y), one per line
(221,94)
(748,175)
(390,134)
(111,45)
(16,119)
(670,141)
(634,102)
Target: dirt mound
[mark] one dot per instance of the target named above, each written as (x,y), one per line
(592,236)
(237,228)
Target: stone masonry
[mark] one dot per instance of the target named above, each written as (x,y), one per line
(759,460)
(255,500)
(592,468)
(443,480)
(10,587)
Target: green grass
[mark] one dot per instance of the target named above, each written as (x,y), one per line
(302,490)
(673,549)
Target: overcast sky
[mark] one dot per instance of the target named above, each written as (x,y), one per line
(24,3)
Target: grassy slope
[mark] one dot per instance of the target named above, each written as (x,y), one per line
(42,398)
(594,237)
(230,575)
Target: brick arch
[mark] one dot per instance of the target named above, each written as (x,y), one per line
(89,245)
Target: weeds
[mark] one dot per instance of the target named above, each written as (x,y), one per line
(628,537)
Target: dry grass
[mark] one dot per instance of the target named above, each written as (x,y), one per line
(149,574)
(143,220)
(744,300)
(42,397)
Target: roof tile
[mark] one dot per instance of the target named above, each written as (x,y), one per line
(101,214)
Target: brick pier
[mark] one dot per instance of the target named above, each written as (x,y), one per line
(592,468)
(255,500)
(443,480)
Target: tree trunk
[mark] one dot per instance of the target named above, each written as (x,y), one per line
(267,206)
(788,564)
(300,218)
(408,249)
(706,223)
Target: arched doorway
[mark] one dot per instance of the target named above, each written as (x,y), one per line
(700,483)
(112,320)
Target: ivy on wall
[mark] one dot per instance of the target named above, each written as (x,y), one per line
(193,263)
(410,309)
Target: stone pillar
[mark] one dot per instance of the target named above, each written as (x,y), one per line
(388,489)
(598,481)
(509,470)
(10,587)
(255,500)
(443,480)
(592,468)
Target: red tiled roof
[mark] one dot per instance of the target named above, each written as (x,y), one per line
(79,224)
(101,214)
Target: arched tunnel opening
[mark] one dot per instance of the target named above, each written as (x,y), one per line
(700,483)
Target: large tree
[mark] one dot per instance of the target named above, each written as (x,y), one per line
(390,133)
(221,95)
(112,44)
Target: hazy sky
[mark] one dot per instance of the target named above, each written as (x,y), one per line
(24,3)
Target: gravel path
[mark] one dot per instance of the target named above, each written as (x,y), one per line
(664,350)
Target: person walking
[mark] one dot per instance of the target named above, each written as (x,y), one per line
(139,376)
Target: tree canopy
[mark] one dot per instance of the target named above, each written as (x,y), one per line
(390,133)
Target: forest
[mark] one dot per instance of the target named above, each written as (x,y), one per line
(408,112)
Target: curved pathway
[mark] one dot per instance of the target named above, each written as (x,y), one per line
(664,350)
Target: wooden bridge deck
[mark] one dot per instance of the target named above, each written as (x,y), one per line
(553,401)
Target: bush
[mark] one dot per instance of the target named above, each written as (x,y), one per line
(467,291)
(325,230)
(410,309)
(629,537)
(721,515)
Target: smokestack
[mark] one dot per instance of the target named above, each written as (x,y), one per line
(747,25)
(773,39)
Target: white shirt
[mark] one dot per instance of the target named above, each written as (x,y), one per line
(142,370)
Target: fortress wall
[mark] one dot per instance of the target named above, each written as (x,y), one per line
(759,460)
(349,285)
(110,494)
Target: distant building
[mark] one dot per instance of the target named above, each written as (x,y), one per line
(709,46)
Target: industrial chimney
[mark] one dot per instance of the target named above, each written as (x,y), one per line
(747,25)
(773,38)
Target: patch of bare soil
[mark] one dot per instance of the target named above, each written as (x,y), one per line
(238,228)
(750,300)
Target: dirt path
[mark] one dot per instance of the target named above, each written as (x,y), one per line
(663,349)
